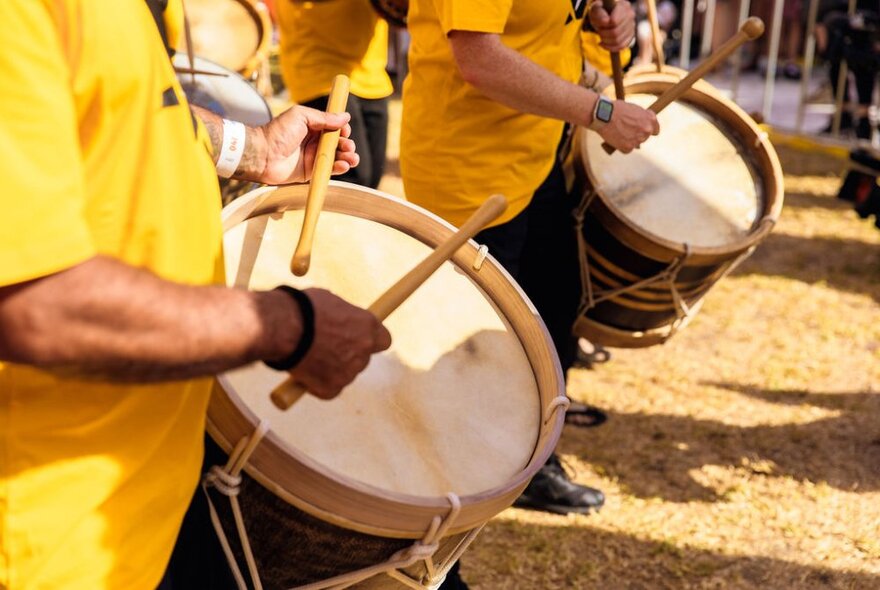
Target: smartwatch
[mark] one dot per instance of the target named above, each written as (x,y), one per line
(602,113)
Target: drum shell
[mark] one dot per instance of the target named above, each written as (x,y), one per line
(280,534)
(624,253)
(249,65)
(291,486)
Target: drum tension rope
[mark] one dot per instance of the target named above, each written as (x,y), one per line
(227,480)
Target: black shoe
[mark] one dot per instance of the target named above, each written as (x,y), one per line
(552,490)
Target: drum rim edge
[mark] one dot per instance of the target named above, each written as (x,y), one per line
(416,511)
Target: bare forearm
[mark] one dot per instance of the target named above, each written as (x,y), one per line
(255,156)
(512,79)
(105,319)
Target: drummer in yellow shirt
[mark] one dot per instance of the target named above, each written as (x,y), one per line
(490,90)
(111,312)
(322,39)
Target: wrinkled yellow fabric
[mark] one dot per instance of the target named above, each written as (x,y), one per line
(100,156)
(322,39)
(459,146)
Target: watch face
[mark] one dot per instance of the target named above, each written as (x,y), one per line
(603,112)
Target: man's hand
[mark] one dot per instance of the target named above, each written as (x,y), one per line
(617,29)
(291,143)
(630,126)
(283,150)
(345,338)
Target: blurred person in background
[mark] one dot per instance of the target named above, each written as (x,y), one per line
(312,53)
(853,39)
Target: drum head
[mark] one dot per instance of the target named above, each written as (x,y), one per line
(691,184)
(226,94)
(453,406)
(228,32)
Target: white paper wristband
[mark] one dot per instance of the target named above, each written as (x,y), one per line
(234,134)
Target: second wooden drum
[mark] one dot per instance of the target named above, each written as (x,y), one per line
(663,224)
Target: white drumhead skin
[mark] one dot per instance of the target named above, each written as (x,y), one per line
(228,95)
(224,31)
(688,185)
(453,405)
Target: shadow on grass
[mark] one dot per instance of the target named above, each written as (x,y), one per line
(511,555)
(651,455)
(850,265)
(808,201)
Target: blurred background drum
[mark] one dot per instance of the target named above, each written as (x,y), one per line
(663,224)
(235,34)
(227,94)
(444,430)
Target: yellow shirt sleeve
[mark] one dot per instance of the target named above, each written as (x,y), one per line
(42,226)
(480,16)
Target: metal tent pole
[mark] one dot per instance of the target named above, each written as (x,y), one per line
(773,58)
(687,29)
(809,58)
(744,7)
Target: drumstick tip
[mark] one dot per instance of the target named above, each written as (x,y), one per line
(753,27)
(299,265)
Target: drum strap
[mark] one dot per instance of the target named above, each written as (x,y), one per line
(227,479)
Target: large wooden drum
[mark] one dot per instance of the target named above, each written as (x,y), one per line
(663,224)
(233,33)
(439,434)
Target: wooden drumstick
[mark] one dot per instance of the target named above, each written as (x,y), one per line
(289,392)
(321,172)
(616,67)
(750,30)
(655,33)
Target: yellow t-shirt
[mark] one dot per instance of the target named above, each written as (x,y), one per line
(100,156)
(599,57)
(313,51)
(459,146)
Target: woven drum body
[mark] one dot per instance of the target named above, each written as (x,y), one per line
(446,427)
(232,33)
(663,224)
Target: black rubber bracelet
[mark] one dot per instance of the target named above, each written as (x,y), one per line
(308,330)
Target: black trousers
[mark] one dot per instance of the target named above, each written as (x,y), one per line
(538,248)
(369,130)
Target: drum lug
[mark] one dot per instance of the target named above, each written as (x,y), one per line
(481,256)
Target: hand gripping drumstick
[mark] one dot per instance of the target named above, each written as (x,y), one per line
(289,392)
(616,67)
(323,168)
(749,31)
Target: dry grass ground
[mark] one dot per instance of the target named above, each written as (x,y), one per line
(744,453)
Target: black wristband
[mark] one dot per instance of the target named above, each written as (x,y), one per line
(308,330)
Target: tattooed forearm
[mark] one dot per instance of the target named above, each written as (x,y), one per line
(253,160)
